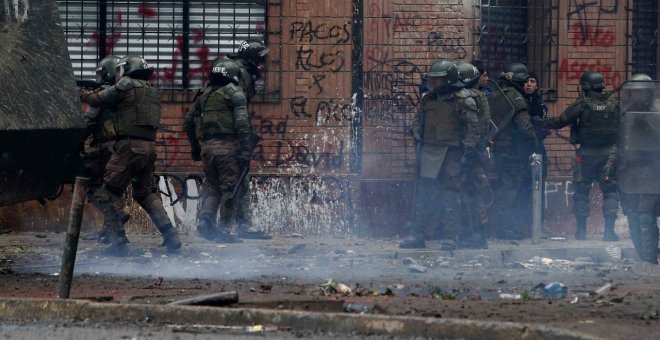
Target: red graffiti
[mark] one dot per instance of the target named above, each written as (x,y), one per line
(574,70)
(146,11)
(171,140)
(587,35)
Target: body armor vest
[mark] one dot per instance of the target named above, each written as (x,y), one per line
(442,124)
(216,117)
(598,123)
(138,110)
(483,113)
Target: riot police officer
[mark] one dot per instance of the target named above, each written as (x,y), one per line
(445,128)
(219,134)
(514,139)
(634,162)
(477,188)
(99,127)
(250,57)
(137,117)
(594,121)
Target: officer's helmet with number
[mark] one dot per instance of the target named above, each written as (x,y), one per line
(106,71)
(592,81)
(224,71)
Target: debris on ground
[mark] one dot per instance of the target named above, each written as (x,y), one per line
(555,290)
(357,308)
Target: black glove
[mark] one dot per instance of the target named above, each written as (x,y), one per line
(196,154)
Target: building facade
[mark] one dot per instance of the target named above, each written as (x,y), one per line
(341,85)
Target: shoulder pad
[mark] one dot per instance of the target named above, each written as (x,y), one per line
(231,88)
(471,103)
(464,93)
(125,83)
(236,95)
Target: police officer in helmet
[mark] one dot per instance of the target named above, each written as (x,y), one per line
(512,143)
(445,128)
(219,134)
(594,120)
(100,127)
(136,103)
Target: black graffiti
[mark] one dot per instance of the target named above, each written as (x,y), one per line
(269,128)
(317,82)
(579,9)
(307,32)
(177,186)
(298,107)
(286,153)
(329,111)
(438,43)
(304,60)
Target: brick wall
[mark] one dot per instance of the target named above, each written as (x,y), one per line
(303,179)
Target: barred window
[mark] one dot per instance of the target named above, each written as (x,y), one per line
(178,38)
(645,37)
(522,31)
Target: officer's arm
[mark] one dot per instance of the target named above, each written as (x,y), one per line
(92,118)
(189,124)
(104,99)
(416,128)
(569,116)
(471,123)
(241,121)
(524,123)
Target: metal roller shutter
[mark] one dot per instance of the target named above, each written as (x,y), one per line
(178,38)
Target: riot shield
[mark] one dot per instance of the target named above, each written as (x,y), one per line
(638,163)
(501,109)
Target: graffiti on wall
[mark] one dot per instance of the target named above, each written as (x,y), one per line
(307,205)
(591,23)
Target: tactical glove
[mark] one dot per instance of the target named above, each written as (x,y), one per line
(196,154)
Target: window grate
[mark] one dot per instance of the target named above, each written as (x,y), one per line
(178,38)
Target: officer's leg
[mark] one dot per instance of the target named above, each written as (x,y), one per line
(476,206)
(94,166)
(507,193)
(648,228)
(581,208)
(111,196)
(228,173)
(144,192)
(451,184)
(210,198)
(422,211)
(610,209)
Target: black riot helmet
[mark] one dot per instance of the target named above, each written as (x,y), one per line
(468,75)
(106,71)
(516,72)
(592,81)
(224,71)
(253,50)
(446,70)
(135,67)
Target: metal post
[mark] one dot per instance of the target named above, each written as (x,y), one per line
(72,235)
(537,196)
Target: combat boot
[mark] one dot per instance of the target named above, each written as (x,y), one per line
(171,238)
(119,246)
(247,231)
(223,236)
(580,228)
(610,235)
(413,242)
(476,241)
(635,236)
(649,236)
(206,229)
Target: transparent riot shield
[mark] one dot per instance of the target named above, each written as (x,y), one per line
(501,109)
(638,162)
